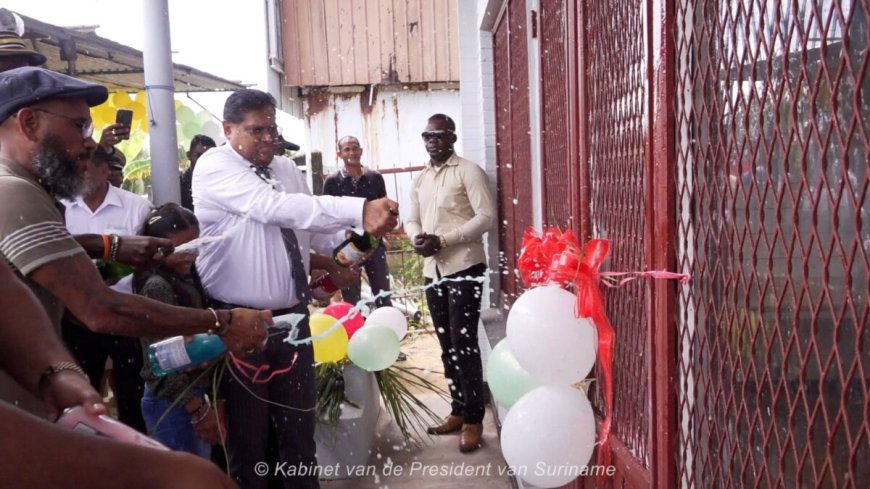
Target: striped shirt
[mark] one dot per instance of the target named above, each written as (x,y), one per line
(32,232)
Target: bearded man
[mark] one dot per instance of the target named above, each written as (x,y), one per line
(45,145)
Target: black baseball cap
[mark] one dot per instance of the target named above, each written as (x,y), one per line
(29,85)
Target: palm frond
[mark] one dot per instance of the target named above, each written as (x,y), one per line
(410,413)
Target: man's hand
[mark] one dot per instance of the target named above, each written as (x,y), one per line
(66,389)
(114,134)
(344,277)
(213,428)
(143,250)
(247,331)
(380,216)
(426,244)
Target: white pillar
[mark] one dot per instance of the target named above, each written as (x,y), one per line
(159,85)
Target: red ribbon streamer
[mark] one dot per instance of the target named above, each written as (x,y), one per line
(555,257)
(255,370)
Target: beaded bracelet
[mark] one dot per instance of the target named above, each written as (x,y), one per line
(115,246)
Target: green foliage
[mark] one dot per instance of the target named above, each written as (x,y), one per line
(395,383)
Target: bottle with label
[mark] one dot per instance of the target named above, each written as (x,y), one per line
(78,420)
(323,287)
(174,354)
(354,248)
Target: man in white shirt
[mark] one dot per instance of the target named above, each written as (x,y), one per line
(104,209)
(260,205)
(451,209)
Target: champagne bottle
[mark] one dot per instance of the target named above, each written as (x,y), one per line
(174,354)
(354,248)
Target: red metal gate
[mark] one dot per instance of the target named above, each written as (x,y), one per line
(773,104)
(727,139)
(560,191)
(616,92)
(513,152)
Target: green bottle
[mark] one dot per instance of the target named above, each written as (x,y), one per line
(354,248)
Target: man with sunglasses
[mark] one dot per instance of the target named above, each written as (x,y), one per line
(451,209)
(45,144)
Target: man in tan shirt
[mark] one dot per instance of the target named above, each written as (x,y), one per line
(451,208)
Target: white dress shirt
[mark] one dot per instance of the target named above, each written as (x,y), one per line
(250,265)
(121,213)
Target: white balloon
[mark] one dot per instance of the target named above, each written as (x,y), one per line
(548,436)
(390,317)
(547,340)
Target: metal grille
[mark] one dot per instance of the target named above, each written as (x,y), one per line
(616,122)
(773,114)
(514,142)
(557,182)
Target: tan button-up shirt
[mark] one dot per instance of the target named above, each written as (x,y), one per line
(452,201)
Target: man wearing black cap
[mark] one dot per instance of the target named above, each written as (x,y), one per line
(198,145)
(117,161)
(45,143)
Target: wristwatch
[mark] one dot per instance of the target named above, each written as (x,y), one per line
(58,367)
(442,241)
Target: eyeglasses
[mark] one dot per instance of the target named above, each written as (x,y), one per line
(86,126)
(439,135)
(258,132)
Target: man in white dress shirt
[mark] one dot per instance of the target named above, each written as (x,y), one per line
(104,209)
(262,207)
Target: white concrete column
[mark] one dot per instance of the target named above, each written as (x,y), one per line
(159,85)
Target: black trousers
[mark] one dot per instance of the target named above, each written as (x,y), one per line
(250,420)
(455,310)
(91,351)
(379,280)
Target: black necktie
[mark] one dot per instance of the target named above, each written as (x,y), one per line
(291,245)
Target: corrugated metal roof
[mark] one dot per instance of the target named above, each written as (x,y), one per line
(100,60)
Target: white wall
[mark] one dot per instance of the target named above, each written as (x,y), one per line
(478,113)
(389,133)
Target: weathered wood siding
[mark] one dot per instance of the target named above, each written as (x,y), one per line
(361,42)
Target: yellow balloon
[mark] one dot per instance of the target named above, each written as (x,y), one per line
(103,115)
(333,347)
(121,99)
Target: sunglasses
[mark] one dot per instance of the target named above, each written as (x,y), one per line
(439,135)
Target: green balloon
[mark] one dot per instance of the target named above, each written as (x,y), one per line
(373,348)
(507,380)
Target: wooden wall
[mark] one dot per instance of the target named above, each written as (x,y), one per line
(361,42)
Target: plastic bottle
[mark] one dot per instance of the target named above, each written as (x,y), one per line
(323,287)
(173,354)
(80,421)
(354,248)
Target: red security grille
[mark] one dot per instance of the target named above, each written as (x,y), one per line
(558,182)
(513,150)
(616,134)
(773,114)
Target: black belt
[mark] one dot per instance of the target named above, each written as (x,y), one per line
(300,308)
